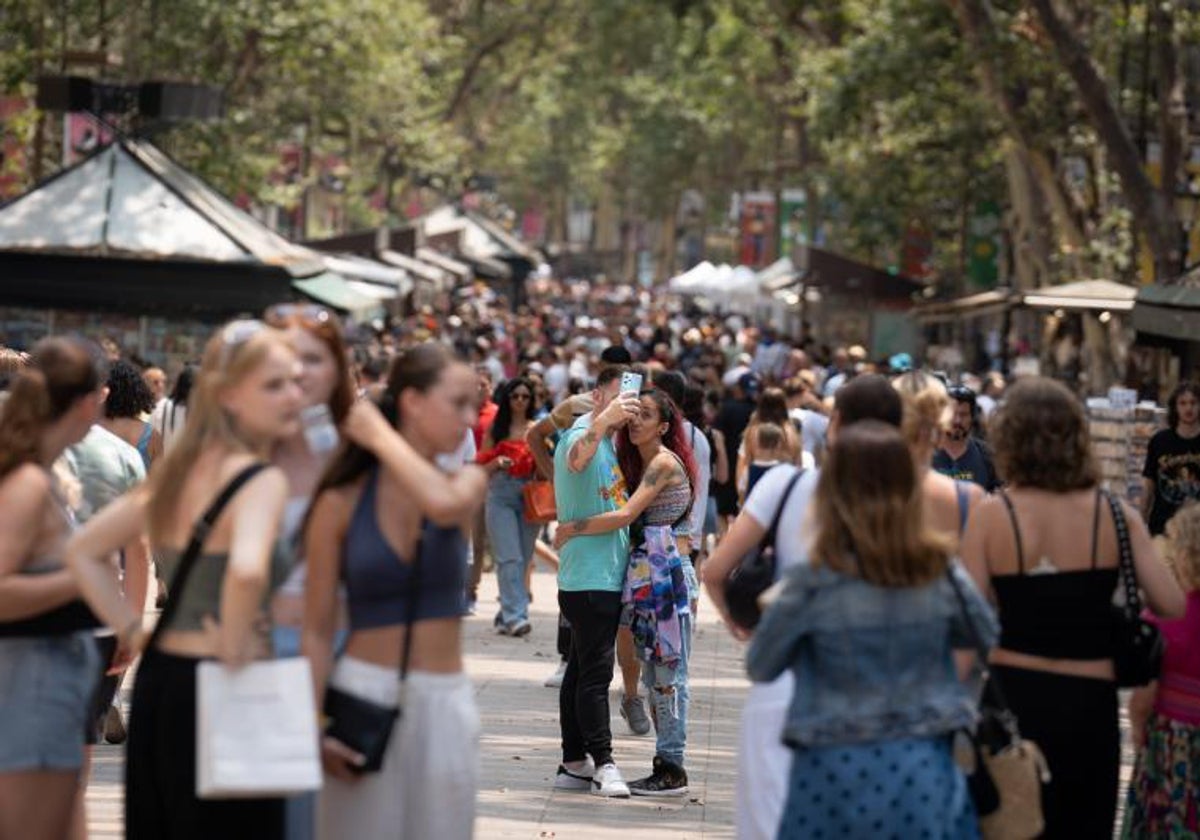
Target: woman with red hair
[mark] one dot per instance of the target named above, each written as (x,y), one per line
(660,585)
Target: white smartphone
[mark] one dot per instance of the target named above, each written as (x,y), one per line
(631,383)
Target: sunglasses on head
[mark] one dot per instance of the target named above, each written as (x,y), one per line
(312,312)
(236,333)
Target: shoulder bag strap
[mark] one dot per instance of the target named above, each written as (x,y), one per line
(1133,601)
(191,554)
(769,537)
(991,684)
(962,496)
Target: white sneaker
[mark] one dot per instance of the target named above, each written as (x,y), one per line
(608,782)
(555,679)
(580,779)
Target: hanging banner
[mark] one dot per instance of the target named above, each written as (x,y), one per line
(757,229)
(983,246)
(916,254)
(793,221)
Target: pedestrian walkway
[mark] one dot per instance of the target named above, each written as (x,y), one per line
(521,741)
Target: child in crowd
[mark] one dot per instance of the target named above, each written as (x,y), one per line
(1164,795)
(770,450)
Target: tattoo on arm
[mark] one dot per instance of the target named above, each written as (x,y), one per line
(653,475)
(583,448)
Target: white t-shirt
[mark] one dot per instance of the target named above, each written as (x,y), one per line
(702,452)
(459,458)
(791,542)
(168,420)
(813,427)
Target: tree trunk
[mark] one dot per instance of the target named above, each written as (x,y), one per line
(1155,216)
(1032,247)
(979,29)
(1172,104)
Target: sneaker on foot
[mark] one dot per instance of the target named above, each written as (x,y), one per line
(667,779)
(504,630)
(580,779)
(520,628)
(469,609)
(555,680)
(608,782)
(633,709)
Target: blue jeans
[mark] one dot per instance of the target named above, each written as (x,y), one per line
(671,703)
(667,689)
(512,540)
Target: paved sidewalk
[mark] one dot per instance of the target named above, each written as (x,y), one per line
(521,742)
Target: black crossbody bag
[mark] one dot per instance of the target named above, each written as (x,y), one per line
(362,725)
(756,571)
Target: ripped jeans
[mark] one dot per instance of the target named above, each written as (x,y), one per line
(667,689)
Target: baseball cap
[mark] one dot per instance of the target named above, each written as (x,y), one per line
(750,384)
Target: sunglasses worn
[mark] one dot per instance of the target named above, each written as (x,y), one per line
(520,396)
(312,312)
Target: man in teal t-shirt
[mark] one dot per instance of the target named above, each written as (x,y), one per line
(588,482)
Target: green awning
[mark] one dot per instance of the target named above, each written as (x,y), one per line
(1158,294)
(335,291)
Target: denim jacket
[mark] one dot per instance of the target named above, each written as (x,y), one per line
(871,663)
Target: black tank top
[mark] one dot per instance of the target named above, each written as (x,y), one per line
(1059,615)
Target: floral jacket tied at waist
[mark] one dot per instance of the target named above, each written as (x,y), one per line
(655,596)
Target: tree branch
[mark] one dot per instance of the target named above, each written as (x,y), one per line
(1155,216)
(979,28)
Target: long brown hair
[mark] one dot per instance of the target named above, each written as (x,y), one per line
(61,370)
(870,516)
(227,361)
(419,368)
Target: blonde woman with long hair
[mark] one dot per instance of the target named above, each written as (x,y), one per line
(245,401)
(48,658)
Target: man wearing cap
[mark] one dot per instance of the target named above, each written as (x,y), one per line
(960,454)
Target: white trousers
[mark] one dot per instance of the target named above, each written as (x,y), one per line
(426,788)
(764,762)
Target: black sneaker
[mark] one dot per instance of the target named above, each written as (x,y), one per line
(667,780)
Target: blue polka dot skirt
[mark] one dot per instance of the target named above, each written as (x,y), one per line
(905,789)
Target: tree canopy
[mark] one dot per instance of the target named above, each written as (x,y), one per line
(888,113)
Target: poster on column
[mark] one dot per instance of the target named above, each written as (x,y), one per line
(82,135)
(757,229)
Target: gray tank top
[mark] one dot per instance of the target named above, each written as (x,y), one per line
(202,595)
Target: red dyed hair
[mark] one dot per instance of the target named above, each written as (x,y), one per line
(675,439)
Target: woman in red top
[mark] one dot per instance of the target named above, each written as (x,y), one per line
(510,463)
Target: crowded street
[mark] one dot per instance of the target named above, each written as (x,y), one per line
(742,419)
